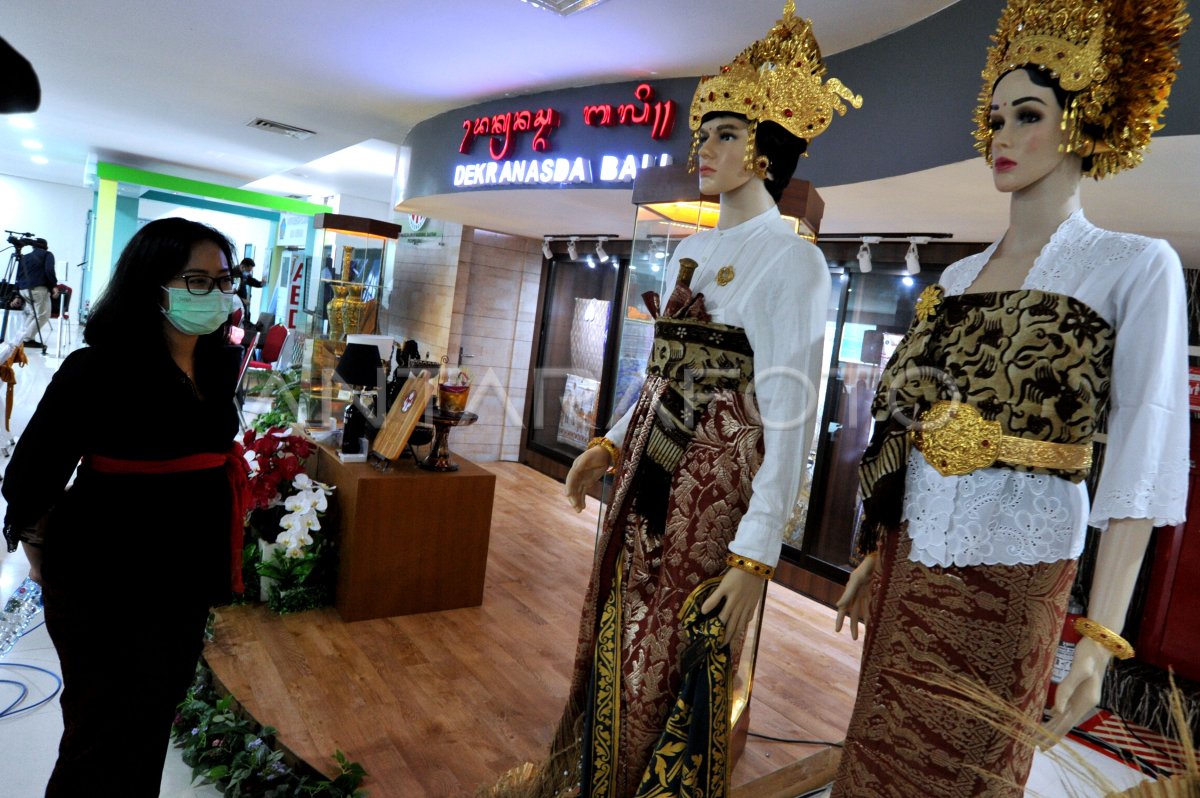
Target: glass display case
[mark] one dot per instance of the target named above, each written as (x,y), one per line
(342,292)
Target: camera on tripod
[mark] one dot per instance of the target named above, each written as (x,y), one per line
(21,240)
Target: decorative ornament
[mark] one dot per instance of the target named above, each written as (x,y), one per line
(1117,58)
(778,78)
(928,301)
(725,275)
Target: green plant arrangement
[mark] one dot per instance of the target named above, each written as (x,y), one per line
(228,748)
(285,396)
(287,549)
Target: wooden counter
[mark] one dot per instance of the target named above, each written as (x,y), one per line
(411,540)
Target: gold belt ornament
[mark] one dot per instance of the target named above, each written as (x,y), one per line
(957,440)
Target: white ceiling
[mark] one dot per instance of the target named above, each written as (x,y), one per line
(170,86)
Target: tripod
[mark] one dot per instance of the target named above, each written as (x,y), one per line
(11,293)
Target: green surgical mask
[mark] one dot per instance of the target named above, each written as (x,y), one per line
(197,314)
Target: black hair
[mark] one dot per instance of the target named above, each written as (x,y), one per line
(129,312)
(247,262)
(1040,76)
(781,148)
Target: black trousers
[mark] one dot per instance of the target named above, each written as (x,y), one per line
(126,665)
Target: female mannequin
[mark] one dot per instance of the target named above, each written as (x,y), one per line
(726,411)
(975,563)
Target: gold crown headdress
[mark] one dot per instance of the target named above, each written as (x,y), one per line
(778,78)
(1117,58)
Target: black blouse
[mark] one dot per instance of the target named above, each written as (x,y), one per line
(169,532)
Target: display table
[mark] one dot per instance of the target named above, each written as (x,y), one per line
(411,540)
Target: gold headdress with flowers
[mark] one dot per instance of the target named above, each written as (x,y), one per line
(1117,58)
(778,78)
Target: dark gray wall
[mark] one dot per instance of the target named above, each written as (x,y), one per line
(919,87)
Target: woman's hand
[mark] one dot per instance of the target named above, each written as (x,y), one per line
(742,592)
(855,602)
(1079,693)
(34,555)
(587,468)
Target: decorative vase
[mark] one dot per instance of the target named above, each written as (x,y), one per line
(336,312)
(352,314)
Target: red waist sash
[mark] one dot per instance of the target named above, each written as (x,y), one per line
(236,471)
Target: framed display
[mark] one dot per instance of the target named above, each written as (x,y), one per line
(578,418)
(402,417)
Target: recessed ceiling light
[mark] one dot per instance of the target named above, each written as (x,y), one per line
(31,144)
(21,121)
(40,160)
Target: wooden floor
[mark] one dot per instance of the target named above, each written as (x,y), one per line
(438,704)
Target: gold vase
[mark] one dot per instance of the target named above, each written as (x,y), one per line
(352,313)
(336,313)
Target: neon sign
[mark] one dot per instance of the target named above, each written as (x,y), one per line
(613,169)
(660,116)
(501,127)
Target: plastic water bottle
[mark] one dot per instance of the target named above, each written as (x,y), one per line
(22,606)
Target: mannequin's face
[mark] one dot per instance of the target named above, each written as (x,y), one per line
(722,148)
(1027,137)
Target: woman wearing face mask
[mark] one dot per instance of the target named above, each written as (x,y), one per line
(1055,332)
(131,556)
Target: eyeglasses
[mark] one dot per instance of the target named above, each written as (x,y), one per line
(201,284)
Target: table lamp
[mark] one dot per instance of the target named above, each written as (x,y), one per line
(358,367)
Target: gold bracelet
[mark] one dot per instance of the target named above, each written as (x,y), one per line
(1116,645)
(749,565)
(614,453)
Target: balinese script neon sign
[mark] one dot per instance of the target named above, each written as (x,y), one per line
(501,127)
(660,116)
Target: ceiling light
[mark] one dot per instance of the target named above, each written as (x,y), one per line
(546,251)
(660,254)
(908,281)
(655,268)
(40,160)
(616,262)
(573,248)
(31,144)
(21,121)
(912,261)
(864,253)
(600,253)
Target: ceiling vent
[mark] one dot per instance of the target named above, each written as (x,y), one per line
(564,7)
(298,133)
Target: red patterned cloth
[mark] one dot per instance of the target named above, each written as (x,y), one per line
(995,624)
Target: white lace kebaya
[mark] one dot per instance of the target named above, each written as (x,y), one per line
(996,516)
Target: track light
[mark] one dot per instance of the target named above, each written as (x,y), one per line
(864,253)
(573,248)
(600,253)
(546,251)
(912,261)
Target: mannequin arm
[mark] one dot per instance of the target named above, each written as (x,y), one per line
(855,602)
(1119,559)
(587,468)
(741,591)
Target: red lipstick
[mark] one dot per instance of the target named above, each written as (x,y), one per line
(1004,164)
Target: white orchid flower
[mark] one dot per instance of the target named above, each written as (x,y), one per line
(301,502)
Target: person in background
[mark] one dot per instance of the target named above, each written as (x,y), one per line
(711,458)
(974,489)
(132,555)
(37,284)
(247,281)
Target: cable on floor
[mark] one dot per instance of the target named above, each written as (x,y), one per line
(826,743)
(11,711)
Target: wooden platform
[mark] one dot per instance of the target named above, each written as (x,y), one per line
(438,704)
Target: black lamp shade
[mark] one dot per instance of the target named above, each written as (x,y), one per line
(359,366)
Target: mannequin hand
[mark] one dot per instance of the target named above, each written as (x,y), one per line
(53,292)
(855,602)
(1079,693)
(587,468)
(742,591)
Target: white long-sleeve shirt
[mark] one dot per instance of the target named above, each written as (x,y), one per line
(780,296)
(997,516)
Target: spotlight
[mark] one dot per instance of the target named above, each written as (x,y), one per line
(912,261)
(573,248)
(864,253)
(591,263)
(546,251)
(907,281)
(600,253)
(655,268)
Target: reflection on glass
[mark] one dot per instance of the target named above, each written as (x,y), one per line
(878,309)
